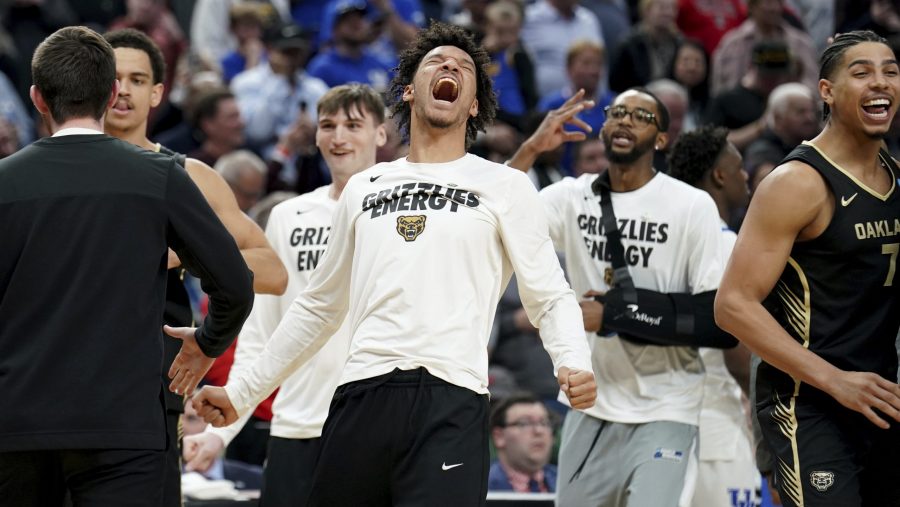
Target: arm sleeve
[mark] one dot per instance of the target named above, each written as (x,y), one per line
(260,325)
(310,320)
(707,259)
(546,296)
(554,198)
(209,253)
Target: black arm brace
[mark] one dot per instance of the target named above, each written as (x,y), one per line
(669,319)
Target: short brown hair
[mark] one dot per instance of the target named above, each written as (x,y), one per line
(349,96)
(75,71)
(584,46)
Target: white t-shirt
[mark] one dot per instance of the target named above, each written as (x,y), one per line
(298,231)
(723,422)
(418,257)
(671,235)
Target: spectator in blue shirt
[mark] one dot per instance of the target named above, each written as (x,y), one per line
(511,68)
(246,22)
(522,433)
(349,57)
(584,67)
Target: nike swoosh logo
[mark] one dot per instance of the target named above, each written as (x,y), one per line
(846,202)
(373,178)
(445,466)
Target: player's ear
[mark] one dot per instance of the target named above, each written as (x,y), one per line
(380,135)
(662,140)
(407,93)
(156,94)
(473,109)
(826,91)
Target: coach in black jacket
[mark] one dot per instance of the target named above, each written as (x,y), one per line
(82,290)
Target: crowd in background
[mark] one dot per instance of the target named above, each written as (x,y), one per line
(242,80)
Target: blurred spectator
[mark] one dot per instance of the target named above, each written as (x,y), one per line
(584,68)
(13,110)
(499,142)
(260,211)
(218,120)
(155,19)
(551,27)
(294,163)
(27,23)
(246,22)
(183,137)
(395,147)
(349,58)
(691,70)
(246,175)
(590,157)
(882,17)
(818,18)
(9,138)
(208,35)
(791,118)
(472,16)
(733,58)
(395,23)
(615,23)
(271,96)
(511,68)
(707,21)
(741,108)
(522,433)
(648,52)
(243,475)
(675,98)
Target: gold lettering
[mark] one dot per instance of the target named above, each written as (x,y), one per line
(860,231)
(870,230)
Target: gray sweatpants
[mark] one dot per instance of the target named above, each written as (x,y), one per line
(607,464)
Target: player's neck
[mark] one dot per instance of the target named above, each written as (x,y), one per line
(434,146)
(136,136)
(339,181)
(628,177)
(84,123)
(849,148)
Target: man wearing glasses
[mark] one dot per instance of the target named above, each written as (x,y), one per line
(522,433)
(635,447)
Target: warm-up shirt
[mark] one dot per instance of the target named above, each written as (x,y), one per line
(671,235)
(417,259)
(298,231)
(85,221)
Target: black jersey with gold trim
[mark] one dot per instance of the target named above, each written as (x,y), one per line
(837,294)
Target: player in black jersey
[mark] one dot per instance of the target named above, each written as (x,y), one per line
(811,289)
(140,69)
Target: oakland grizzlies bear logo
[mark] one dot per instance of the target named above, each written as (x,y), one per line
(410,226)
(821,480)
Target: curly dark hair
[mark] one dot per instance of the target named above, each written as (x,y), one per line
(442,34)
(696,152)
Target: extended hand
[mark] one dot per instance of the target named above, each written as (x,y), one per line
(190,365)
(579,386)
(200,451)
(551,133)
(213,405)
(864,392)
(592,311)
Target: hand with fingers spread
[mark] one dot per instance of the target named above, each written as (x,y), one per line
(551,133)
(200,451)
(592,311)
(865,392)
(579,387)
(190,365)
(214,406)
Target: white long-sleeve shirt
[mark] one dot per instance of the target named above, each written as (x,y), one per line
(417,259)
(671,235)
(298,231)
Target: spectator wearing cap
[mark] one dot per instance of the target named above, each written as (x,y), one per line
(732,59)
(246,22)
(349,57)
(741,109)
(272,95)
(522,433)
(395,24)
